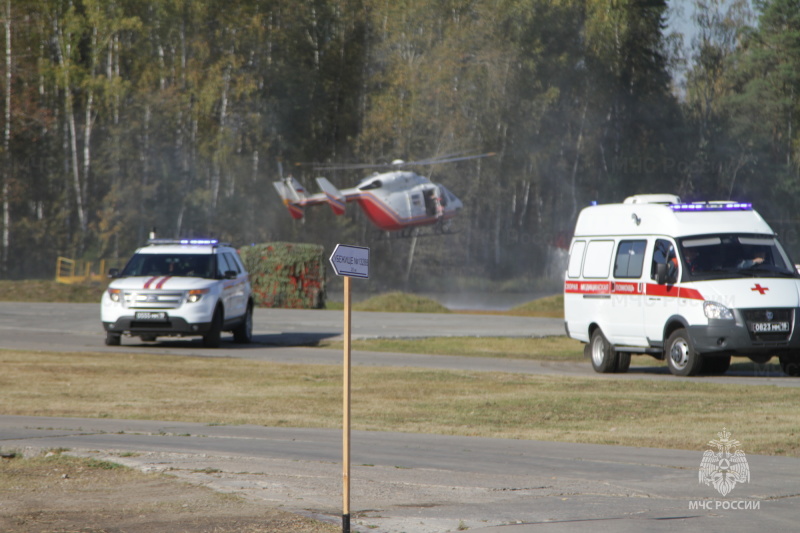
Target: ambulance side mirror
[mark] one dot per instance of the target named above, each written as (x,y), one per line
(662,271)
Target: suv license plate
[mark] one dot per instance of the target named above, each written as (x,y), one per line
(151,315)
(770,327)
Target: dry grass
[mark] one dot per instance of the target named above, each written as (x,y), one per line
(550,306)
(400,302)
(534,348)
(57,493)
(669,414)
(39,290)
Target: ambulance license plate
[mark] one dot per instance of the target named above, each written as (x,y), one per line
(159,316)
(770,327)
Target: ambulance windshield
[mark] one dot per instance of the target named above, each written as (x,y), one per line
(734,256)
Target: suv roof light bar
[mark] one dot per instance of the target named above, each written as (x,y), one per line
(201,242)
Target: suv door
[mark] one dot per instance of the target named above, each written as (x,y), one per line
(236,290)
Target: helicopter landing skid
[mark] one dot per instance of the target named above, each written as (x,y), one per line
(437,230)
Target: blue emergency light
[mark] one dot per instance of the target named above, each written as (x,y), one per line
(712,206)
(200,242)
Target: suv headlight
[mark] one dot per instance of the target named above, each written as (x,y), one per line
(195,295)
(717,311)
(115,295)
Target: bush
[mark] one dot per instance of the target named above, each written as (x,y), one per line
(286,274)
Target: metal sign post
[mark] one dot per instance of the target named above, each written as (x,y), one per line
(348,261)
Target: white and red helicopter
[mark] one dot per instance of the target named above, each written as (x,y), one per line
(395,200)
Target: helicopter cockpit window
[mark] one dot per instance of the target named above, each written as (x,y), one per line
(377,184)
(446,195)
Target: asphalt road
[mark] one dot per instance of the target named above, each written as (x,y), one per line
(434,483)
(409,482)
(284,336)
(78,325)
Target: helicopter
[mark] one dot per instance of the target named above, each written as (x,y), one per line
(396,200)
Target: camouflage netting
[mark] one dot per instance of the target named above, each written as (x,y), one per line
(286,274)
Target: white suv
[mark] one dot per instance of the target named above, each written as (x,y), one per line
(186,287)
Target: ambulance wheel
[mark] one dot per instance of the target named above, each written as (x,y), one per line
(682,359)
(717,365)
(604,358)
(790,364)
(623,362)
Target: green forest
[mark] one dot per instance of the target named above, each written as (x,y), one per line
(121,117)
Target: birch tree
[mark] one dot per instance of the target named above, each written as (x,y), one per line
(4,187)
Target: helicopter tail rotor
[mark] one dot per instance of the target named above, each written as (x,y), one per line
(293,195)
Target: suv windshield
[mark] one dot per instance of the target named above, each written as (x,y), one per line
(734,256)
(189,265)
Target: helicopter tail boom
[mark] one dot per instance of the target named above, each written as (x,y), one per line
(333,195)
(295,198)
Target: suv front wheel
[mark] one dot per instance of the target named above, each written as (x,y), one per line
(212,338)
(113,339)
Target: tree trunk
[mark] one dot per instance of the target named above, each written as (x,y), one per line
(144,157)
(575,166)
(216,173)
(7,148)
(64,51)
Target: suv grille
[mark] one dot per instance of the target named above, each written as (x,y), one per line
(152,299)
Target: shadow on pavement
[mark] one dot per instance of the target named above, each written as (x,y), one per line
(259,341)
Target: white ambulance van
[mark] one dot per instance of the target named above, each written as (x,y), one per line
(692,283)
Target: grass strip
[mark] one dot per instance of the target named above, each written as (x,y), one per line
(533,348)
(597,410)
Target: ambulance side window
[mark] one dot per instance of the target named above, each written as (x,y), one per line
(576,259)
(598,259)
(630,259)
(664,254)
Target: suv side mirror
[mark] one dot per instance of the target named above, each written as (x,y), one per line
(113,273)
(231,274)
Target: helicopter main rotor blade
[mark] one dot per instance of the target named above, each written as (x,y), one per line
(448,158)
(355,166)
